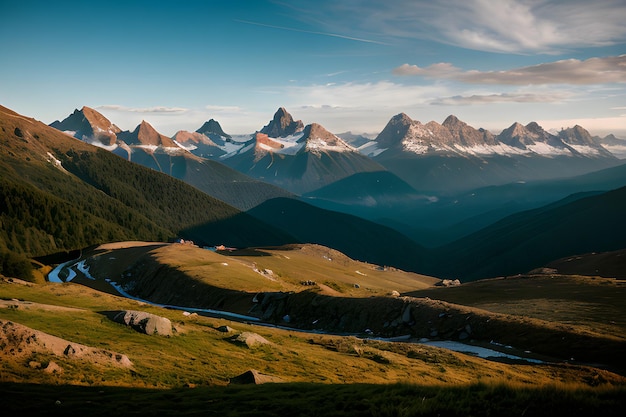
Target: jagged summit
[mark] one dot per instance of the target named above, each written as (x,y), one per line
(453,121)
(146,135)
(467,136)
(318,139)
(88,125)
(576,135)
(395,129)
(455,137)
(282,125)
(212,127)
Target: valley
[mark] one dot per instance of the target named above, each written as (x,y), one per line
(290,260)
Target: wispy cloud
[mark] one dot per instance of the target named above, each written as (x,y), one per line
(570,71)
(498,98)
(508,26)
(225,109)
(382,94)
(334,35)
(155,109)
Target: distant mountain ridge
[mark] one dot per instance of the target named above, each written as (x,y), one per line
(453,156)
(479,158)
(296,157)
(147,147)
(456,137)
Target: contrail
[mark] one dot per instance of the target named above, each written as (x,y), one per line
(334,35)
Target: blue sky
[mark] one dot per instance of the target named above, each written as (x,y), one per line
(348,65)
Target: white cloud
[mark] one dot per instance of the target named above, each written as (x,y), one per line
(223,109)
(602,70)
(499,98)
(155,109)
(510,26)
(382,94)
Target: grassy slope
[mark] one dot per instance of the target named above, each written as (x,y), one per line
(199,355)
(185,276)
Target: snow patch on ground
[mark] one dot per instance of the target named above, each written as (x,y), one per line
(317,145)
(547,150)
(586,150)
(109,148)
(371,149)
(190,147)
(290,145)
(55,162)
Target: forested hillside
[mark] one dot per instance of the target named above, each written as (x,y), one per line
(59,194)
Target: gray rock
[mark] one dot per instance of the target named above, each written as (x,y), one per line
(255,377)
(225,329)
(143,322)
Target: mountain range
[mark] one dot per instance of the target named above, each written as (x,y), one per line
(50,177)
(433,158)
(453,156)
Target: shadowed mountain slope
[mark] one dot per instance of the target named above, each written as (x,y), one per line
(358,238)
(58,193)
(531,239)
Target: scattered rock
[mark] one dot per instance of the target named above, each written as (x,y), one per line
(225,329)
(449,283)
(253,376)
(17,340)
(142,322)
(395,293)
(53,368)
(250,339)
(34,364)
(406,315)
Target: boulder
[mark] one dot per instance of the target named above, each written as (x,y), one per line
(143,322)
(250,339)
(225,329)
(253,376)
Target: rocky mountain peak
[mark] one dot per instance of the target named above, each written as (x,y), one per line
(453,121)
(394,131)
(212,127)
(318,138)
(89,125)
(282,125)
(97,119)
(576,135)
(467,136)
(535,128)
(145,134)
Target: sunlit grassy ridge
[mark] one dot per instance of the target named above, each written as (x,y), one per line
(200,354)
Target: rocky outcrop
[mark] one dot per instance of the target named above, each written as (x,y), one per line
(282,125)
(142,322)
(253,376)
(212,127)
(146,135)
(17,340)
(249,339)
